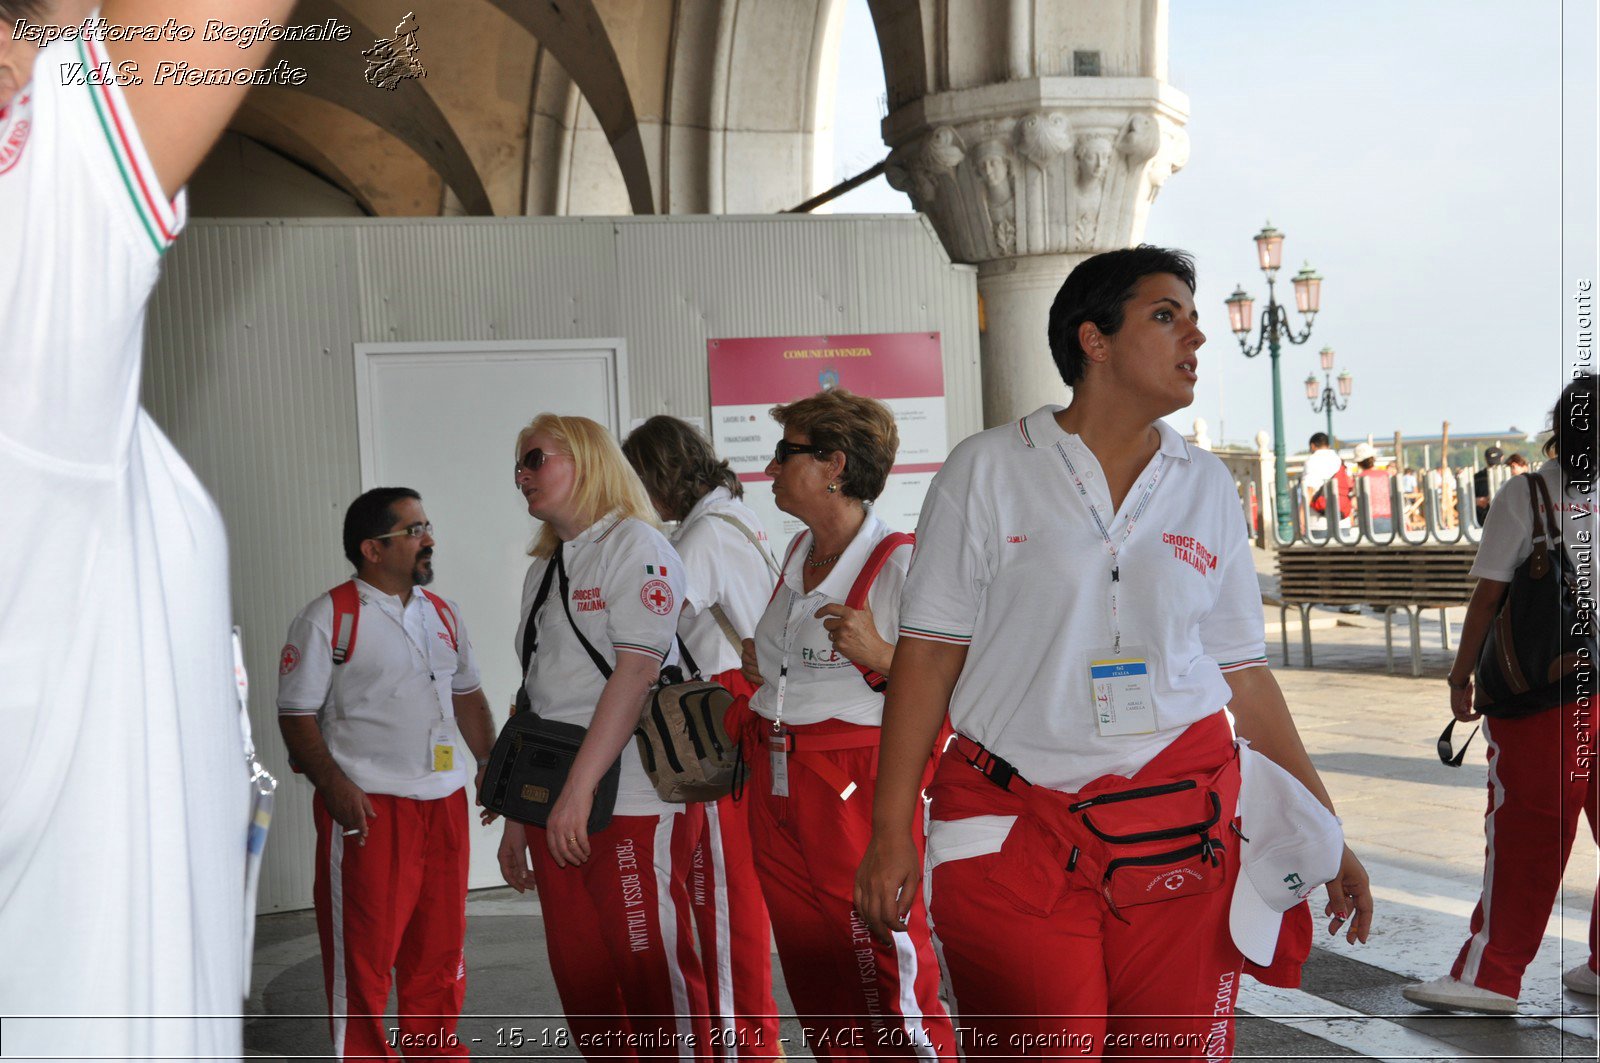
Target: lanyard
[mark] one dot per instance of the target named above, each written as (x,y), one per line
(1127,530)
(422,651)
(783,664)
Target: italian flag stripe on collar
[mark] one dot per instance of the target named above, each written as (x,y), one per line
(156,216)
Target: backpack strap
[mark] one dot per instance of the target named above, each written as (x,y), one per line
(346,620)
(446,616)
(857,597)
(766,556)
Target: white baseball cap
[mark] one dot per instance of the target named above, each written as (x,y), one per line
(1365,451)
(1291,845)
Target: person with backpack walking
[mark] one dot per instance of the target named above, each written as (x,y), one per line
(821,656)
(1541,773)
(1126,813)
(600,607)
(1324,464)
(381,708)
(728,575)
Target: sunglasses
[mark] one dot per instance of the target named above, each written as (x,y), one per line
(786,450)
(533,461)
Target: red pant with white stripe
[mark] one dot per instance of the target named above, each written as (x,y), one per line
(735,935)
(620,939)
(398,903)
(856,997)
(1539,782)
(1159,980)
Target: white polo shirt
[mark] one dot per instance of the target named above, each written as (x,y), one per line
(118,705)
(1508,530)
(721,567)
(822,683)
(1010,563)
(378,710)
(626,587)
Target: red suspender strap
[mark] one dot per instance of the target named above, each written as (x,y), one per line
(788,557)
(446,617)
(346,619)
(858,592)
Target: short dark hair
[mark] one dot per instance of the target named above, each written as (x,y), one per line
(371,515)
(12,10)
(1572,430)
(1319,439)
(1097,291)
(862,429)
(677,464)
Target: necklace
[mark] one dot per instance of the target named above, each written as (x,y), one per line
(825,562)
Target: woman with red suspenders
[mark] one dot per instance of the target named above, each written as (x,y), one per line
(821,665)
(728,574)
(1084,604)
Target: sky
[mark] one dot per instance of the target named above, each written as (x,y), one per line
(1411,150)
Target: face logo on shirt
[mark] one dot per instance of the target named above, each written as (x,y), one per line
(1188,549)
(657,597)
(289,659)
(15,124)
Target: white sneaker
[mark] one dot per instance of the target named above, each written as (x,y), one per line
(1582,979)
(1451,994)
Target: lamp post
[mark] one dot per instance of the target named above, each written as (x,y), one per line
(1322,397)
(1274,328)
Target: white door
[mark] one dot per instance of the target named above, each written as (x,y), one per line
(443,418)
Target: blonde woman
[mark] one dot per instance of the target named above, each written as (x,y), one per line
(615,903)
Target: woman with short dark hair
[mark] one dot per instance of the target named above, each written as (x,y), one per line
(820,665)
(1084,604)
(727,574)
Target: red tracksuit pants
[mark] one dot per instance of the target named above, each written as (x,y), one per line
(621,942)
(856,997)
(398,903)
(1080,981)
(1541,776)
(735,935)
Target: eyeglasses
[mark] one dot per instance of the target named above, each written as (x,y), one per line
(533,460)
(410,531)
(786,450)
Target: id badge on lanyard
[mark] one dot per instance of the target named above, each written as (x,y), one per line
(1120,688)
(777,741)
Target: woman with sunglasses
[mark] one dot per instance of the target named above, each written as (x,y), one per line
(728,575)
(615,903)
(813,744)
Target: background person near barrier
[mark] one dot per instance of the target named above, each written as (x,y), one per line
(728,570)
(1324,464)
(1379,493)
(814,744)
(615,904)
(381,707)
(1082,598)
(126,800)
(1539,779)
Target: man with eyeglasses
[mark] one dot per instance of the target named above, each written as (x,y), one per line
(381,708)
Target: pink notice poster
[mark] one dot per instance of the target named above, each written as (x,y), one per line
(903,370)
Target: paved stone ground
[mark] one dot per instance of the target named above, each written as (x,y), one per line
(1416,823)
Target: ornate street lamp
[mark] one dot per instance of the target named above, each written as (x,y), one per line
(1274,328)
(1322,396)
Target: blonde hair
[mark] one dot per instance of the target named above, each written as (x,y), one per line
(604,481)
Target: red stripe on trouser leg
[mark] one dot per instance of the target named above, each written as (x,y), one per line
(1539,784)
(641,994)
(856,997)
(397,902)
(1079,981)
(735,935)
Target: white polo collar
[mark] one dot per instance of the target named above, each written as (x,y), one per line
(598,531)
(707,500)
(851,558)
(1040,430)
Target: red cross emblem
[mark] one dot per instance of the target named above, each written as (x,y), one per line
(288,660)
(657,597)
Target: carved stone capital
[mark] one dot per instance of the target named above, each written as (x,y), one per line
(1045,166)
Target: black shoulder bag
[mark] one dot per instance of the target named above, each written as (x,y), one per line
(1543,633)
(532,756)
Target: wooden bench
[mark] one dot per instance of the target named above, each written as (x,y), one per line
(1412,578)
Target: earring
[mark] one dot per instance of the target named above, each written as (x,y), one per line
(833,488)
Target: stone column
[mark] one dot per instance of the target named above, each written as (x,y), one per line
(1028,178)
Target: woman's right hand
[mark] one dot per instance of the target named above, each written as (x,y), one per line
(747,663)
(887,883)
(514,867)
(1461,702)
